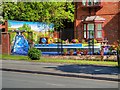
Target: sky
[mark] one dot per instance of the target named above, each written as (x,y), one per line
(37,26)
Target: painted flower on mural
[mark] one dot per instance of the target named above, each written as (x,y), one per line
(75,41)
(116,45)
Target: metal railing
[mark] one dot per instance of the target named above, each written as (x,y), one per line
(91,41)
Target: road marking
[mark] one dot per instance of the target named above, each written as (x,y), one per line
(55,84)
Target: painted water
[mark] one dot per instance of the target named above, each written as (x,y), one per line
(20,46)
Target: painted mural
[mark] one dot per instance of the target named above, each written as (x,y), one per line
(39,29)
(20,45)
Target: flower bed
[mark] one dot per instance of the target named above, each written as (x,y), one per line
(86,57)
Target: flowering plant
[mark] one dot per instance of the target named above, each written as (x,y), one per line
(75,41)
(65,51)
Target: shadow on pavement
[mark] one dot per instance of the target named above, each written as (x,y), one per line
(88,69)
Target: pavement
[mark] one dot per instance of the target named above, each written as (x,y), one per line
(69,70)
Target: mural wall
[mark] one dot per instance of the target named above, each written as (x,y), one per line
(39,29)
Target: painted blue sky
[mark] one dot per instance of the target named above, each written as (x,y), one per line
(37,26)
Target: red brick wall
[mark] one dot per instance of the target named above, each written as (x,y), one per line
(5,43)
(0,49)
(5,39)
(119,21)
(109,11)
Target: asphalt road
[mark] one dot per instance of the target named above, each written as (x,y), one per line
(27,80)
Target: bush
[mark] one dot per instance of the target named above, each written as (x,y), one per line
(65,50)
(34,54)
(95,41)
(71,50)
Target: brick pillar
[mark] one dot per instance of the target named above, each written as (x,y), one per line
(6,26)
(5,43)
(0,49)
(0,42)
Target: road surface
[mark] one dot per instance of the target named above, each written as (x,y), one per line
(28,80)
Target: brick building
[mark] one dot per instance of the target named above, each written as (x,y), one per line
(97,19)
(4,39)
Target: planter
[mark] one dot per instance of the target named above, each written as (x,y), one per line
(65,53)
(78,52)
(71,53)
(85,52)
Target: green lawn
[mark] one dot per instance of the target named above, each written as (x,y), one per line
(14,57)
(52,60)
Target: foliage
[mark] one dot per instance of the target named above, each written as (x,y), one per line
(50,12)
(1,20)
(12,37)
(57,40)
(58,60)
(25,27)
(83,41)
(63,42)
(95,41)
(71,51)
(65,50)
(78,49)
(34,54)
(118,48)
(111,48)
(85,52)
(14,57)
(117,45)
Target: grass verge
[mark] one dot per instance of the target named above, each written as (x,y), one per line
(54,60)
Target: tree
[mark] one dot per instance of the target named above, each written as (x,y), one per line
(25,27)
(49,12)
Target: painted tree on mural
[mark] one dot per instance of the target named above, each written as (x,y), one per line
(25,27)
(50,12)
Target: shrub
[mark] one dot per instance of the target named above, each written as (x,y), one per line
(95,41)
(65,50)
(34,54)
(78,49)
(111,48)
(71,51)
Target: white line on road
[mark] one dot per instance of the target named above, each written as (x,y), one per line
(55,84)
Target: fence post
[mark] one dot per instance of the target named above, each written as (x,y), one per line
(118,57)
